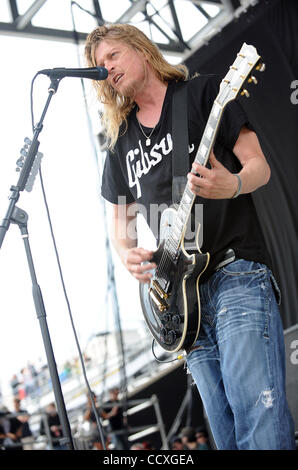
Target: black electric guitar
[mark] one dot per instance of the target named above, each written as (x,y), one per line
(171,302)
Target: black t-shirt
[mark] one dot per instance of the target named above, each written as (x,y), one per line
(116,422)
(53,420)
(141,173)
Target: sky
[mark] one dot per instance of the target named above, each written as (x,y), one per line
(72,183)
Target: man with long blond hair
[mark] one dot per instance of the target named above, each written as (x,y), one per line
(238,359)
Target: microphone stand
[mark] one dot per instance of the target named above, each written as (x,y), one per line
(18,216)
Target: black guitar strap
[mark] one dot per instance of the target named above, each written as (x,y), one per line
(180,161)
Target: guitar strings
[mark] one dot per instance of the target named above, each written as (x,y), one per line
(166,258)
(165,263)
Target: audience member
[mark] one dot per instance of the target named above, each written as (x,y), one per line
(176,443)
(137,446)
(202,438)
(114,414)
(89,416)
(10,431)
(23,417)
(14,383)
(55,428)
(142,446)
(148,446)
(188,437)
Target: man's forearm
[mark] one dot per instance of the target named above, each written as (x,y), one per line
(122,245)
(125,242)
(255,170)
(123,230)
(254,174)
(123,236)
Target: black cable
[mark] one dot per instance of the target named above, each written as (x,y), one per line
(76,40)
(31,100)
(70,314)
(111,280)
(164,362)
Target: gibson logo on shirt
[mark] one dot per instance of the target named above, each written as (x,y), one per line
(140,162)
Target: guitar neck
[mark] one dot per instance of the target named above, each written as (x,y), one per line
(247,59)
(209,134)
(188,198)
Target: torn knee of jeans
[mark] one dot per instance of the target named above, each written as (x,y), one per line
(222,311)
(189,372)
(266,398)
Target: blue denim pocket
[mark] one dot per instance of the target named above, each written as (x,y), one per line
(240,295)
(242,267)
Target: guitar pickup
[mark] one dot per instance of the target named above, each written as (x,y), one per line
(159,302)
(159,290)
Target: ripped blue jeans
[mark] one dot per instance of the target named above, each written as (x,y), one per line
(238,361)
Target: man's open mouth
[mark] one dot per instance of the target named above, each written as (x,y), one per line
(117,77)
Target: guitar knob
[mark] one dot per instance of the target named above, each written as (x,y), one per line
(163,335)
(166,318)
(167,337)
(171,337)
(177,320)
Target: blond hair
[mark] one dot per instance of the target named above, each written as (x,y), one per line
(116,106)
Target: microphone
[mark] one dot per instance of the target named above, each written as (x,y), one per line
(95,73)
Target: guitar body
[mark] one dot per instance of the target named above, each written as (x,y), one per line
(173,313)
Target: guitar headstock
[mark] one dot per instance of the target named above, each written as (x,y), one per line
(241,72)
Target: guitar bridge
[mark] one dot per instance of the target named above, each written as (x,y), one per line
(159,302)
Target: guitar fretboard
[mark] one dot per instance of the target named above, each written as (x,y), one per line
(178,229)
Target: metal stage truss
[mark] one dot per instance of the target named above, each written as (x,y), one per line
(167,22)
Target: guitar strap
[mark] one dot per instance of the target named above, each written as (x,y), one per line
(180,161)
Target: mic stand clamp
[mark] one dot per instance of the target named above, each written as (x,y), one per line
(28,163)
(20,217)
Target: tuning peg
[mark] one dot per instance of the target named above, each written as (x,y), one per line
(261,67)
(245,93)
(27,141)
(252,79)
